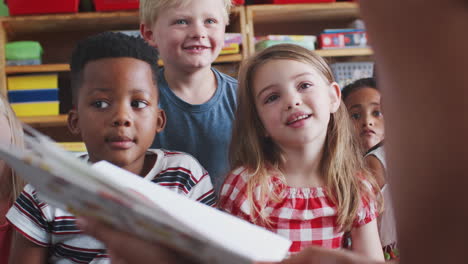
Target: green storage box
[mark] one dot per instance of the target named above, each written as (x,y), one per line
(268,43)
(23,50)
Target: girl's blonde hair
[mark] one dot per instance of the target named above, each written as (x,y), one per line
(342,160)
(150,9)
(16,132)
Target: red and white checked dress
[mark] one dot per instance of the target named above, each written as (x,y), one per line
(306,216)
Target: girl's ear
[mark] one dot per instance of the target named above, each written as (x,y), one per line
(72,122)
(147,34)
(160,121)
(335,97)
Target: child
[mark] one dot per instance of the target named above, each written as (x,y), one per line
(199,101)
(10,183)
(363,101)
(298,171)
(116,113)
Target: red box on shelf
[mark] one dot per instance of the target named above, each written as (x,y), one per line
(32,7)
(238,2)
(291,1)
(111,5)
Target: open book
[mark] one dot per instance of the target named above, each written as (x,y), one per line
(132,204)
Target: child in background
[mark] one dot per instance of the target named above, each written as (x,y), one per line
(297,167)
(363,100)
(199,101)
(11,184)
(116,113)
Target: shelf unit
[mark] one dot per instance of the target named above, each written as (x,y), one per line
(59,32)
(302,19)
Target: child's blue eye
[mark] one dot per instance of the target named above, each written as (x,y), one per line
(355,116)
(100,104)
(139,104)
(271,98)
(181,22)
(377,113)
(211,21)
(305,85)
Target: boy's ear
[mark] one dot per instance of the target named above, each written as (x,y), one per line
(147,34)
(72,122)
(335,97)
(160,121)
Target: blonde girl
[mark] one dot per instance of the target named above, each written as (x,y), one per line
(10,183)
(297,169)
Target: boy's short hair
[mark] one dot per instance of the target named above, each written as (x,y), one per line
(150,9)
(358,84)
(109,45)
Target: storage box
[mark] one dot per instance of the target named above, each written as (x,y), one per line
(29,96)
(109,5)
(23,50)
(35,81)
(36,109)
(30,7)
(352,39)
(291,1)
(306,41)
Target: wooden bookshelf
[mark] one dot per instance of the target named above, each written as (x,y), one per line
(45,121)
(65,67)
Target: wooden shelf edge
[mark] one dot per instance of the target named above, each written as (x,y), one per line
(309,6)
(45,121)
(65,16)
(37,68)
(65,67)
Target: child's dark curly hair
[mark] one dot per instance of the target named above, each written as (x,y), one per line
(109,45)
(358,84)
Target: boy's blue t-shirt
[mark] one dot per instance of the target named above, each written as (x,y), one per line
(204,130)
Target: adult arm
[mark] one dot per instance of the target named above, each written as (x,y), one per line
(421,56)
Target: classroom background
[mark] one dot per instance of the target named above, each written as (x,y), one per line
(37,37)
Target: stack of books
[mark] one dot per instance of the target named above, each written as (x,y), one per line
(343,38)
(232,42)
(34,95)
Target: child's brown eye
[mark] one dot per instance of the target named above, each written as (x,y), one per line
(100,104)
(271,98)
(139,104)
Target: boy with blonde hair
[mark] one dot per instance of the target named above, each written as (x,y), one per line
(199,100)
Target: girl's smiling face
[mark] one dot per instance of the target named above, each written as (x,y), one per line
(294,102)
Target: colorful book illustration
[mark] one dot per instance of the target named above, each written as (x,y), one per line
(132,204)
